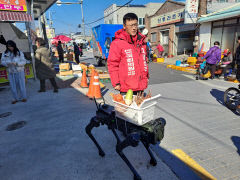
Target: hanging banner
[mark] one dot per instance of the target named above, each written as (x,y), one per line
(191,11)
(13,5)
(4,74)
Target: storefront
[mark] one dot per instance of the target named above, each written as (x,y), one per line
(184,38)
(223,26)
(22,11)
(167,28)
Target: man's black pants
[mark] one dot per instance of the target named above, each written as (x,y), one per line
(53,82)
(212,68)
(238,73)
(77,58)
(61,58)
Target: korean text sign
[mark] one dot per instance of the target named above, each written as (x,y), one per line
(168,18)
(13,5)
(191,11)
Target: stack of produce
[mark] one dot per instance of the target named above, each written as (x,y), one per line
(130,100)
(64,69)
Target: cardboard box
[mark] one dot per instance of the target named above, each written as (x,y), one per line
(64,66)
(76,67)
(66,73)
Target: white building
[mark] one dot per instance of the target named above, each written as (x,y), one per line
(114,15)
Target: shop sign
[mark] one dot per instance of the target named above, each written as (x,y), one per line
(168,18)
(191,11)
(4,74)
(13,5)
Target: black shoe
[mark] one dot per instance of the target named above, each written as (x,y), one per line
(41,90)
(14,102)
(55,90)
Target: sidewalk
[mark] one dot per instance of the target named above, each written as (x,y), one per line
(53,143)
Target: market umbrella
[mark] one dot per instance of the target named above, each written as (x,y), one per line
(62,38)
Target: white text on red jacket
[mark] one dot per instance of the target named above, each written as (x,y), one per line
(130,63)
(144,60)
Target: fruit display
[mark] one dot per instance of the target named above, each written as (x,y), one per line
(118,98)
(130,99)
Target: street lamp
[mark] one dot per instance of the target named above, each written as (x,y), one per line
(59,3)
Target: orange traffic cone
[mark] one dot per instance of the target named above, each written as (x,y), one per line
(96,86)
(90,90)
(84,80)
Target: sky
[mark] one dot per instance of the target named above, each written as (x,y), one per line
(66,18)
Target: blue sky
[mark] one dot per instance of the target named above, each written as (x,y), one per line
(67,17)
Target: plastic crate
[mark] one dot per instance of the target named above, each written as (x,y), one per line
(137,115)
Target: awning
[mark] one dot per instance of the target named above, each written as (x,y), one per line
(229,12)
(14,16)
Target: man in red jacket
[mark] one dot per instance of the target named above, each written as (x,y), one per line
(127,60)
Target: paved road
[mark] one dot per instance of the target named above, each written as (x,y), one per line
(197,121)
(53,145)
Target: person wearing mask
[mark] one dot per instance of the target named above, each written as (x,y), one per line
(44,66)
(60,52)
(213,57)
(14,60)
(76,52)
(127,60)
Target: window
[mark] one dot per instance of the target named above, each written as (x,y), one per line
(228,38)
(232,21)
(222,1)
(141,21)
(153,37)
(216,35)
(164,37)
(218,23)
(237,0)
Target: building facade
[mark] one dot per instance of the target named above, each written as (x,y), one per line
(167,27)
(223,26)
(114,16)
(215,5)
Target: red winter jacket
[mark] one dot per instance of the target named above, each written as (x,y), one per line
(127,63)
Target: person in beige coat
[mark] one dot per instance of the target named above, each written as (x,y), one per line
(44,66)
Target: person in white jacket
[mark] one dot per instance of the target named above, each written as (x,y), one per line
(14,60)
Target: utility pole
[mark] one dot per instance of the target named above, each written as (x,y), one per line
(29,29)
(83,26)
(59,3)
(51,30)
(202,10)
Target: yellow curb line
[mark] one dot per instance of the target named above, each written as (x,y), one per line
(199,170)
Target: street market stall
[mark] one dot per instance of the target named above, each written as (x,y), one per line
(21,11)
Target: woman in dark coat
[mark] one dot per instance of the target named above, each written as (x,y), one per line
(44,66)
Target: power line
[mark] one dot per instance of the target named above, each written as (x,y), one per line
(110,13)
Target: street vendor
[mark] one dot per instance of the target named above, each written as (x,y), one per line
(213,57)
(127,60)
